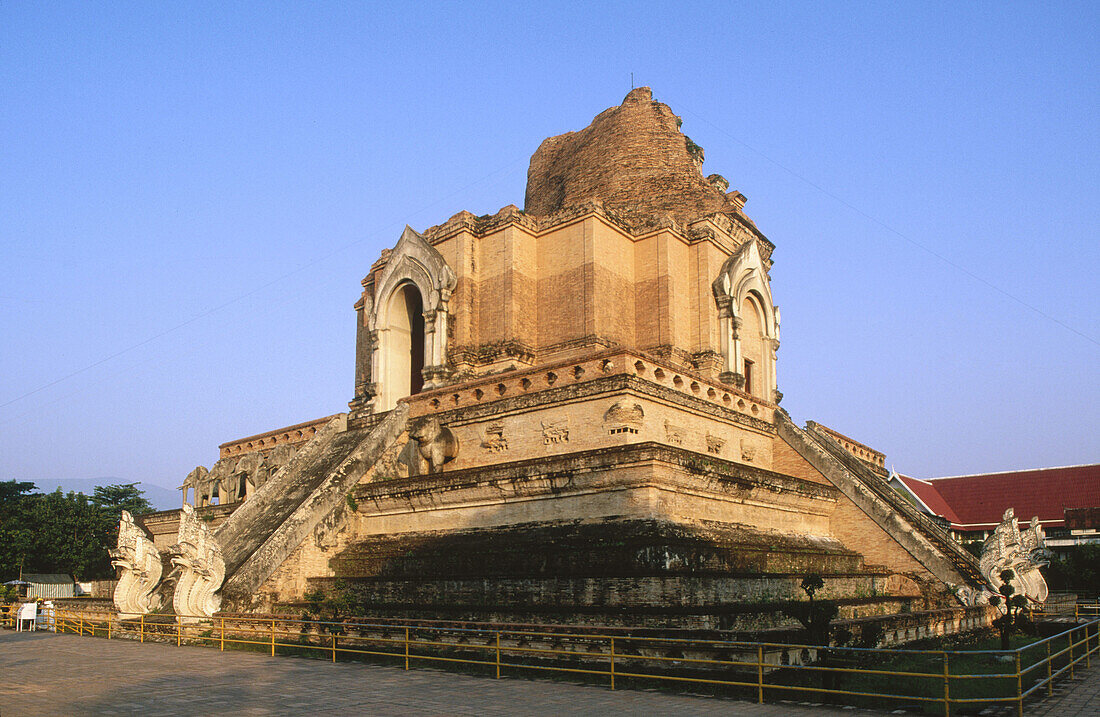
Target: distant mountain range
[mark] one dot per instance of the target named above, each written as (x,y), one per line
(160,498)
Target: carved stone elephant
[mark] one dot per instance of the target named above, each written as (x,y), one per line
(436,443)
(194,480)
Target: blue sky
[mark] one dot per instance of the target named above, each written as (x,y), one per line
(190,194)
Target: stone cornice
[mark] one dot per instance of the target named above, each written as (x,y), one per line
(721,476)
(720,232)
(595,387)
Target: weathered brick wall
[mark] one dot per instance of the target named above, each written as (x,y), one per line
(853,528)
(786,460)
(632,157)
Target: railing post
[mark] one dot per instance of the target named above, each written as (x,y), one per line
(498,655)
(406,648)
(612,663)
(1088,652)
(273,638)
(760,674)
(946,687)
(179,630)
(223,635)
(82,624)
(334,647)
(1071,653)
(108,627)
(1019,688)
(1050,678)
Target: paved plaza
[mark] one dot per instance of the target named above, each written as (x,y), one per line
(43,673)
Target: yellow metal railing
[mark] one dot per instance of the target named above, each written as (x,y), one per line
(1087,610)
(937,678)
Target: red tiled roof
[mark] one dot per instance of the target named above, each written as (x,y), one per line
(931,498)
(977,502)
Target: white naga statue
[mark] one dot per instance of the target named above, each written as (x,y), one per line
(1021,551)
(199,566)
(140,563)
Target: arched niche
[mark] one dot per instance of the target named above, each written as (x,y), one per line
(751,334)
(401,342)
(404,314)
(748,322)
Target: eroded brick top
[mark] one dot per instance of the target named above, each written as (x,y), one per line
(634,159)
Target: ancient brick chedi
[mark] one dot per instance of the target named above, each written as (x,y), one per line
(569,413)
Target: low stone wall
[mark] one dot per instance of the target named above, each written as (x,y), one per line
(895,629)
(89,604)
(740,604)
(99,588)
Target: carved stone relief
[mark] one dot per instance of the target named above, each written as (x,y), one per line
(555,431)
(141,570)
(748,450)
(200,568)
(1021,551)
(494,441)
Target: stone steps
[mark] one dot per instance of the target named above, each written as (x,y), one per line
(305,493)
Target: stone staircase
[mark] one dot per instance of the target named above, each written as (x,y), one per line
(916,532)
(263,532)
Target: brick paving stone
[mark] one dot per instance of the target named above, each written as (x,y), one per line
(1077,697)
(44,673)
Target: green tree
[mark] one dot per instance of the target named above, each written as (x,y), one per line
(15,529)
(1078,569)
(119,497)
(1013,618)
(62,533)
(815,616)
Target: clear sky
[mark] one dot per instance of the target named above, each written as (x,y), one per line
(191,192)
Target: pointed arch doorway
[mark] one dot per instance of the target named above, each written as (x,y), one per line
(403,344)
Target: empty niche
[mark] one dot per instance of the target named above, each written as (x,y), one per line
(578,371)
(714,444)
(551,377)
(674,434)
(624,416)
(606,366)
(639,367)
